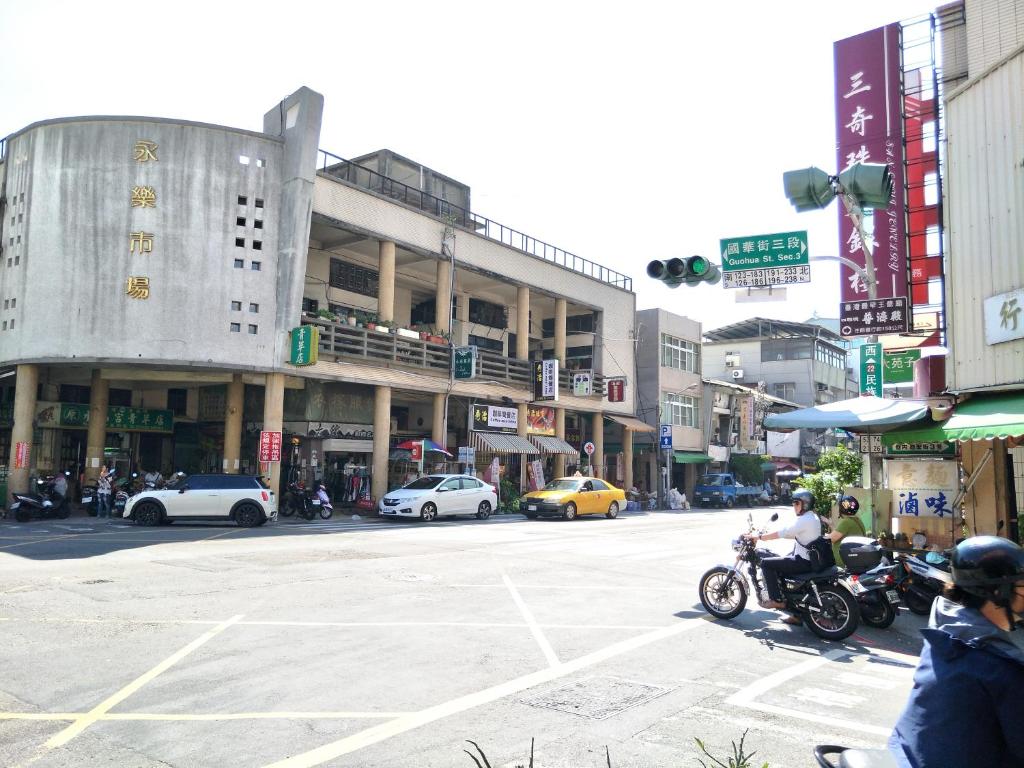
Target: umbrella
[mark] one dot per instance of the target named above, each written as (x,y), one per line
(858,414)
(428,445)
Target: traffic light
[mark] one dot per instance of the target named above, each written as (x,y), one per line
(808,188)
(869,183)
(692,270)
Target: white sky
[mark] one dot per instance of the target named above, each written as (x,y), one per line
(620,132)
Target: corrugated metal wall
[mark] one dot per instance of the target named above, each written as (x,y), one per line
(995,28)
(984,220)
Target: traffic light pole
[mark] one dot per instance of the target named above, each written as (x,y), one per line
(856,214)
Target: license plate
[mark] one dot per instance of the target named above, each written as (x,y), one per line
(86,499)
(532,507)
(893,595)
(705,499)
(316,502)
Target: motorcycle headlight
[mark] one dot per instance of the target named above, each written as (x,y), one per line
(737,544)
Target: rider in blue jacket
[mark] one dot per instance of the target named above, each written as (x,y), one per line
(965,709)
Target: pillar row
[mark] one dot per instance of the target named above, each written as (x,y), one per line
(597,460)
(438,430)
(560,434)
(627,458)
(233,425)
(273,421)
(443,294)
(96,436)
(25,385)
(381,444)
(386,282)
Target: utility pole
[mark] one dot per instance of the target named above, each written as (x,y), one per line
(448,249)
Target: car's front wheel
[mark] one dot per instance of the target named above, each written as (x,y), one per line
(248,516)
(428,512)
(569,513)
(147,513)
(483,511)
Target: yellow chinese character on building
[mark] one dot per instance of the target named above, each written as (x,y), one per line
(143,197)
(908,476)
(143,241)
(145,151)
(137,287)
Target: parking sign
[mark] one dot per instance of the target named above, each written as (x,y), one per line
(666,436)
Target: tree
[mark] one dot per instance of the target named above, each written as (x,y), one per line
(837,468)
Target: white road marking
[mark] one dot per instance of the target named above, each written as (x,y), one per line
(112,701)
(579,587)
(852,678)
(827,697)
(535,630)
(406,723)
(343,624)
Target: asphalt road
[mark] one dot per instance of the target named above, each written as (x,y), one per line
(387,643)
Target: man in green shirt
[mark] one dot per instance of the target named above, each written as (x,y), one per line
(849,525)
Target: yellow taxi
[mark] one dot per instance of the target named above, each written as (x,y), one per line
(572,496)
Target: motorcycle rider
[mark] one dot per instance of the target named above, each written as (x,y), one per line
(153,478)
(849,525)
(804,530)
(964,709)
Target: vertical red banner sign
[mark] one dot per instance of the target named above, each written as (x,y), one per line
(869,129)
(21,455)
(270,446)
(616,389)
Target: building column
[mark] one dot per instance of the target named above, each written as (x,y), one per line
(521,425)
(627,458)
(560,434)
(96,436)
(386,282)
(443,303)
(523,323)
(273,417)
(597,460)
(233,425)
(437,433)
(560,310)
(381,441)
(25,385)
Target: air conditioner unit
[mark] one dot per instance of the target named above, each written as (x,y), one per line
(737,373)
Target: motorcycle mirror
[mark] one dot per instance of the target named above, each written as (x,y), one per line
(775,516)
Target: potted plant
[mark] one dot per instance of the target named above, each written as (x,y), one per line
(326,314)
(351,319)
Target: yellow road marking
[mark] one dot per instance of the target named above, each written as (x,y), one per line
(110,702)
(531,622)
(413,720)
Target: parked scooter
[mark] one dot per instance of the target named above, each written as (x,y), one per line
(43,504)
(819,598)
(919,582)
(322,502)
(89,500)
(300,501)
(872,580)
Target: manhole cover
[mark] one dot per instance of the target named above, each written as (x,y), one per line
(597,697)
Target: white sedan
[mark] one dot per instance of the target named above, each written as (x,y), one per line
(432,496)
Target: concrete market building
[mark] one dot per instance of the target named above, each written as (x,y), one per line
(153,274)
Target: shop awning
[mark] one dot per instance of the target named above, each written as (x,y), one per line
(858,414)
(983,417)
(553,445)
(690,457)
(629,422)
(496,442)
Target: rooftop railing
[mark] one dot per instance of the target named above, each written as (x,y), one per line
(365,178)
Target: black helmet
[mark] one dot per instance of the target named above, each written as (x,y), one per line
(988,567)
(805,497)
(848,505)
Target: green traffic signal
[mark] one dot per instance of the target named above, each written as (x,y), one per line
(808,188)
(869,183)
(692,270)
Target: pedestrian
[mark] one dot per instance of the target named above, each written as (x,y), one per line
(964,708)
(103,493)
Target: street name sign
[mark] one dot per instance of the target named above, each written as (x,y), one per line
(760,260)
(871,370)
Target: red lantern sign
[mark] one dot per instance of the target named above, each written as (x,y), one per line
(616,390)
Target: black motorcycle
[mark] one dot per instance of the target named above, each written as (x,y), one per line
(818,597)
(90,500)
(300,501)
(871,580)
(44,504)
(920,582)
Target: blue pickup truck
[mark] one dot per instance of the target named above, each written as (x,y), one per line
(724,490)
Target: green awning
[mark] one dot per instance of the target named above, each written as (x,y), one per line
(690,457)
(983,417)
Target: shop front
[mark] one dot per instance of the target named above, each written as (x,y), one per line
(501,453)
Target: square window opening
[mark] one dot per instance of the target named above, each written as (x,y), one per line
(261,162)
(243,200)
(243,159)
(257,245)
(254,307)
(258,224)
(12,324)
(253,329)
(239,263)
(240,221)
(240,242)
(256,265)
(236,327)
(17,260)
(259,203)
(236,306)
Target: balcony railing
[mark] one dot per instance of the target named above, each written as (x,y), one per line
(365,178)
(347,342)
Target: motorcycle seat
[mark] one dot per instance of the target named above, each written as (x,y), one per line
(866,758)
(829,573)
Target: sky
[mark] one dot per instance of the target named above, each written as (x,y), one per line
(621,132)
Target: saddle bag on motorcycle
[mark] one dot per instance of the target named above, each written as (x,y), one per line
(820,553)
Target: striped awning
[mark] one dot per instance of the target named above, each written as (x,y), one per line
(630,423)
(553,445)
(496,442)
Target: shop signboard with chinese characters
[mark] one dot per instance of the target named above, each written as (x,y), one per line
(1004,317)
(760,260)
(464,362)
(305,345)
(871,370)
(119,418)
(582,383)
(873,318)
(898,367)
(545,380)
(922,488)
(270,446)
(944,448)
(869,126)
(22,455)
(540,420)
(616,389)
(495,418)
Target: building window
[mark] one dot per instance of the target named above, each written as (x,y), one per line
(679,354)
(310,305)
(256,266)
(240,221)
(258,223)
(254,307)
(236,306)
(243,200)
(236,327)
(261,162)
(177,401)
(253,329)
(775,350)
(239,263)
(680,410)
(259,203)
(786,390)
(240,242)
(351,277)
(573,324)
(489,345)
(257,245)
(831,356)
(243,159)
(489,314)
